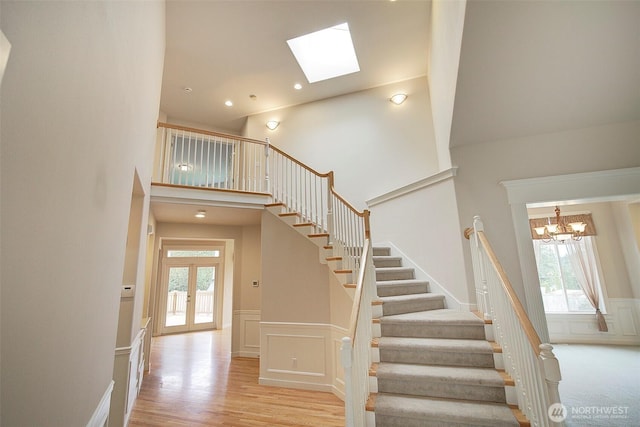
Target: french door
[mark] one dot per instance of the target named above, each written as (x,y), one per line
(189,295)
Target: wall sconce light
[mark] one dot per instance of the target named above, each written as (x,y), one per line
(201,214)
(398,98)
(273,124)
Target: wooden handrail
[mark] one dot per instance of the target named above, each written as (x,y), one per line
(310,169)
(357,298)
(523,318)
(364,214)
(208,132)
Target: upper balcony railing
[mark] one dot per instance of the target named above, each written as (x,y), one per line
(203,159)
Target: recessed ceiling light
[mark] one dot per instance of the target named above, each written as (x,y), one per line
(326,53)
(188,90)
(228,103)
(201,214)
(297,86)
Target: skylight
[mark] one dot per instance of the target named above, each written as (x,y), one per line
(325,54)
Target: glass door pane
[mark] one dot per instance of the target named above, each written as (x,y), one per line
(205,295)
(177,289)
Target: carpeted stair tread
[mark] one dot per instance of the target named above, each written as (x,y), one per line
(438,323)
(442,316)
(436,344)
(402,287)
(399,304)
(436,351)
(381,251)
(387,261)
(450,374)
(411,297)
(411,411)
(394,273)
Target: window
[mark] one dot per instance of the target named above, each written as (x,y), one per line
(561,291)
(192,253)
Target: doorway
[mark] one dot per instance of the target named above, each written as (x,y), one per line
(190,289)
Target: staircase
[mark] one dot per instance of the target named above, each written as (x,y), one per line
(435,367)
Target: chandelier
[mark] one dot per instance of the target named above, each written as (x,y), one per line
(560,231)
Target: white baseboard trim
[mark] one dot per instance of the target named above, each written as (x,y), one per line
(300,385)
(253,355)
(434,286)
(101,414)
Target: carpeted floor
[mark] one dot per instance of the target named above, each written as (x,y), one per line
(600,384)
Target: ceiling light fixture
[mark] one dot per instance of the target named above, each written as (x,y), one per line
(228,103)
(297,86)
(398,98)
(201,214)
(188,90)
(560,231)
(326,53)
(273,124)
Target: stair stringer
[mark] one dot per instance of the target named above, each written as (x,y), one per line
(434,286)
(320,238)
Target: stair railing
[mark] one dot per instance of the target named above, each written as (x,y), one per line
(355,351)
(531,364)
(204,159)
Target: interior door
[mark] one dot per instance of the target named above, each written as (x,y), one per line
(189,295)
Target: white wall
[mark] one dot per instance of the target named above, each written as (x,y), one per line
(80,99)
(482,167)
(372,145)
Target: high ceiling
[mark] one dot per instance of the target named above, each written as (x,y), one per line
(229,50)
(526,67)
(535,67)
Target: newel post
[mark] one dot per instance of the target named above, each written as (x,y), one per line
(346,351)
(552,376)
(482,290)
(330,221)
(266,166)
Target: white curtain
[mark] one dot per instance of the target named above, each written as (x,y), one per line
(582,256)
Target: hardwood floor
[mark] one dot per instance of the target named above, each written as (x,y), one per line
(193,381)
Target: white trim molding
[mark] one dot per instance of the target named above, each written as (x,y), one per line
(247,333)
(414,186)
(301,355)
(101,414)
(623,321)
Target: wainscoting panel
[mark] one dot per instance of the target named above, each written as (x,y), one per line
(101,414)
(247,325)
(297,355)
(623,321)
(337,334)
